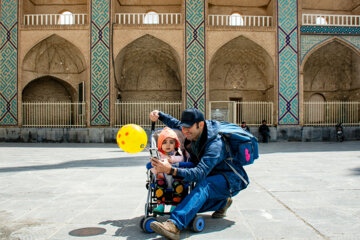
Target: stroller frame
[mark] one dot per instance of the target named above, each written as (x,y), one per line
(197,224)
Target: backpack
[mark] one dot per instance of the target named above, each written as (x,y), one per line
(241,145)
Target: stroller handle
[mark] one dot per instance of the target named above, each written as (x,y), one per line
(152,126)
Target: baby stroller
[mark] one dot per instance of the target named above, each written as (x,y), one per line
(197,224)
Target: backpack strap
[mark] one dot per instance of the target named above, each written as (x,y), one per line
(231,159)
(237,173)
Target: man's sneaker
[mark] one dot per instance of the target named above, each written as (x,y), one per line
(166,229)
(222,212)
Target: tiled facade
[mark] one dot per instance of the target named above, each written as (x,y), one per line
(193,51)
(288,73)
(195,68)
(310,42)
(8,63)
(100,63)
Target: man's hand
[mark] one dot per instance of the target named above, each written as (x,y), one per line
(161,167)
(154,115)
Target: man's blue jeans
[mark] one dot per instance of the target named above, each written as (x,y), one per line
(208,195)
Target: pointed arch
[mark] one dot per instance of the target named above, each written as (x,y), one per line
(240,71)
(58,61)
(54,54)
(324,43)
(331,69)
(235,63)
(49,89)
(223,41)
(147,67)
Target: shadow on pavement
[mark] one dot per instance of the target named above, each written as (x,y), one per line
(130,228)
(95,163)
(355,171)
(59,145)
(289,147)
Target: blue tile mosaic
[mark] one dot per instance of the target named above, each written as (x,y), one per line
(100,63)
(8,63)
(288,62)
(195,54)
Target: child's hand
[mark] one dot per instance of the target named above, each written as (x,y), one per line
(170,160)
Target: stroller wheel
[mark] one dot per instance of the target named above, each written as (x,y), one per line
(141,222)
(146,224)
(198,224)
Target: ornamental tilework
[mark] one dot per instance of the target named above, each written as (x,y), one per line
(100,63)
(8,63)
(195,54)
(288,62)
(330,30)
(309,42)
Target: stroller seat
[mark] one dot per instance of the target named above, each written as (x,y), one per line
(179,165)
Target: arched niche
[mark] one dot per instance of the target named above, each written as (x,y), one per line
(316,97)
(332,70)
(316,110)
(48,89)
(56,57)
(241,69)
(147,69)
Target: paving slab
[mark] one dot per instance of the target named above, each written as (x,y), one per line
(298,190)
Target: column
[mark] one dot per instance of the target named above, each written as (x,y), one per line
(288,62)
(195,72)
(100,63)
(9,63)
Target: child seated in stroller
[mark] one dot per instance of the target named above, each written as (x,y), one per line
(169,148)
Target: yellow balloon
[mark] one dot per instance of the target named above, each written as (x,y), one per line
(131,138)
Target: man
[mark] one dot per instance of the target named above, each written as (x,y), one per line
(244,127)
(264,131)
(215,182)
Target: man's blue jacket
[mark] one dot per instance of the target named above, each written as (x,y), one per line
(211,158)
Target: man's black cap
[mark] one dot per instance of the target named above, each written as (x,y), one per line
(191,116)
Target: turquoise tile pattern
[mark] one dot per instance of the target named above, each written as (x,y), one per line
(288,71)
(195,70)
(330,30)
(309,42)
(8,63)
(100,63)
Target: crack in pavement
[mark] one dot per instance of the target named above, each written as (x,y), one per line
(292,211)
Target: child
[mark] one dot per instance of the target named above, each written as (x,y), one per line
(169,148)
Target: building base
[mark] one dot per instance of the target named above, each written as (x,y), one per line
(108,135)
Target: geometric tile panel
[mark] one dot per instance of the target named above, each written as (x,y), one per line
(288,59)
(309,42)
(330,30)
(195,54)
(100,63)
(8,63)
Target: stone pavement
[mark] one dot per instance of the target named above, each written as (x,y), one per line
(298,190)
